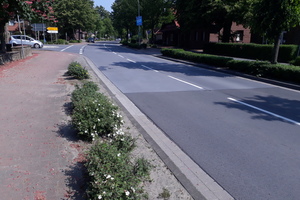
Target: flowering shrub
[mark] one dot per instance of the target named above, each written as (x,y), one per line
(113,175)
(77,71)
(93,114)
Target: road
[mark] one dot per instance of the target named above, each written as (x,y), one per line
(245,134)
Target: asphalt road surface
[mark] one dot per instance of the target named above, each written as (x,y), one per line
(243,133)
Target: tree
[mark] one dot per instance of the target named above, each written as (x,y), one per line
(124,13)
(104,23)
(155,12)
(25,9)
(211,13)
(271,18)
(75,15)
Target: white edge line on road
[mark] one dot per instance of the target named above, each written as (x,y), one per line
(66,48)
(131,61)
(114,53)
(262,110)
(207,186)
(81,49)
(149,68)
(186,82)
(121,56)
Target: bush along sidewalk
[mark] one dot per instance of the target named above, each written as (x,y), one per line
(282,72)
(77,71)
(113,173)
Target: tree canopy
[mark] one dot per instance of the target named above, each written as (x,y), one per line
(9,9)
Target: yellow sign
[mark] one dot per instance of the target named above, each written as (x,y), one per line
(52,29)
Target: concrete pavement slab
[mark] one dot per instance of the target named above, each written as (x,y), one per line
(35,161)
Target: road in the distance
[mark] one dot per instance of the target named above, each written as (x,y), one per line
(244,134)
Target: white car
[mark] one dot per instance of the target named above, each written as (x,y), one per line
(25,40)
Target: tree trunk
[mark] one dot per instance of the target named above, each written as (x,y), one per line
(276,49)
(227,30)
(2,38)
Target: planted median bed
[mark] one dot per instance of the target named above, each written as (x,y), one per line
(113,173)
(282,72)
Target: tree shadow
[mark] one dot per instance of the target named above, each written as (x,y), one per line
(287,108)
(168,68)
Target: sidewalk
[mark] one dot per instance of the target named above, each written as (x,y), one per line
(37,161)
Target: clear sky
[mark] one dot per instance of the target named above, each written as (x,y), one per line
(105,3)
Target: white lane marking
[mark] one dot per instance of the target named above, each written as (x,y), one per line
(262,110)
(121,56)
(114,53)
(149,68)
(131,61)
(186,82)
(81,49)
(66,48)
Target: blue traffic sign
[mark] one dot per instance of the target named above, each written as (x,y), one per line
(139,21)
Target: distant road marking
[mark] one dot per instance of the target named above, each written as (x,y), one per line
(186,82)
(66,48)
(270,113)
(131,61)
(114,53)
(149,68)
(81,50)
(121,56)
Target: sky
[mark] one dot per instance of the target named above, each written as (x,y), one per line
(105,3)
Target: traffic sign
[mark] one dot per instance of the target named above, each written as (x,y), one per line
(52,31)
(52,28)
(139,21)
(38,27)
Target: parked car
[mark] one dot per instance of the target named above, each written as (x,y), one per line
(91,39)
(25,40)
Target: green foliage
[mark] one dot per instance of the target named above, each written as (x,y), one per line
(296,61)
(77,71)
(75,41)
(113,175)
(251,51)
(281,72)
(61,41)
(165,194)
(195,57)
(93,115)
(257,68)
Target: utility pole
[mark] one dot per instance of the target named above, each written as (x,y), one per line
(139,14)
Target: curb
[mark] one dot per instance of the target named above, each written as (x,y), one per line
(199,184)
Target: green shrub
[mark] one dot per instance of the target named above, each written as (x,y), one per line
(112,173)
(93,114)
(265,69)
(296,61)
(77,71)
(196,57)
(61,41)
(252,51)
(75,41)
(124,42)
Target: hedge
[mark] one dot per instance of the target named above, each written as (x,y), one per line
(195,57)
(265,69)
(287,53)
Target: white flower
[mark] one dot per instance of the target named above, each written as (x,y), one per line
(99,196)
(94,127)
(112,178)
(119,154)
(85,131)
(127,193)
(133,190)
(97,109)
(108,176)
(103,192)
(98,120)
